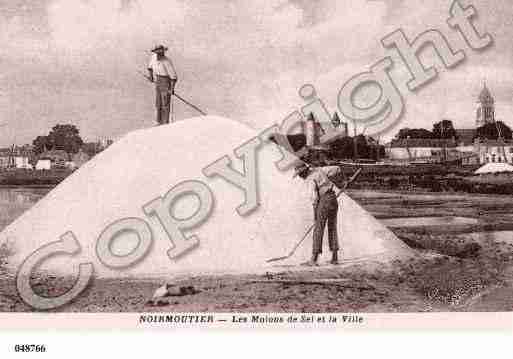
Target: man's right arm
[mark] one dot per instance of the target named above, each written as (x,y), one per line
(150,69)
(314,192)
(150,75)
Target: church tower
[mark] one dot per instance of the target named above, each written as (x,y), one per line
(485,108)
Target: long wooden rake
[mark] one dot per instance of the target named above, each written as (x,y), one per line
(342,190)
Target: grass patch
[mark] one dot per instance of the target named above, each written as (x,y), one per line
(465,268)
(454,283)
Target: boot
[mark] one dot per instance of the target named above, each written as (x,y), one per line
(334,258)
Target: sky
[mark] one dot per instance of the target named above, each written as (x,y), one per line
(77,61)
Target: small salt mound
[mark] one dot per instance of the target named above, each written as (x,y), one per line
(494,167)
(146,164)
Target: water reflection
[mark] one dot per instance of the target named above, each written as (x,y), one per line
(427,221)
(15,201)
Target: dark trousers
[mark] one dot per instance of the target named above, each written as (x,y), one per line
(326,212)
(164,87)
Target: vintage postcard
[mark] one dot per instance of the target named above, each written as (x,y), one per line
(340,164)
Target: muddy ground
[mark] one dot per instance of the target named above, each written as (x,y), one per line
(428,282)
(451,272)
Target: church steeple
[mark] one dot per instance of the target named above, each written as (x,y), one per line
(486,107)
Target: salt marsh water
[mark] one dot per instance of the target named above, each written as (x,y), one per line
(427,221)
(449,210)
(15,201)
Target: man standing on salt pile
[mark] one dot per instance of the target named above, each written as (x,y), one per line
(163,74)
(325,206)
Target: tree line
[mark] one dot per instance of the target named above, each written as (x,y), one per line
(343,147)
(445,130)
(60,137)
(366,147)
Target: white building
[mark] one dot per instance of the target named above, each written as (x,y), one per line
(419,149)
(494,151)
(44,164)
(490,151)
(15,157)
(22,162)
(466,148)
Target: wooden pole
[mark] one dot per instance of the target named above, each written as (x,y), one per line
(172,109)
(190,104)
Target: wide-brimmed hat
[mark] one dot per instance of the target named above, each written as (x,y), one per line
(159,48)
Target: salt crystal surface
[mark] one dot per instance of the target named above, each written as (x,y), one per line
(146,164)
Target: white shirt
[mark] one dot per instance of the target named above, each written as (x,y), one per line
(162,67)
(319,182)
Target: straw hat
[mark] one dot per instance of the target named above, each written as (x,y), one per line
(302,171)
(159,48)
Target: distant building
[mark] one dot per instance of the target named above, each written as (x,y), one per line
(490,151)
(6,158)
(421,150)
(62,159)
(339,125)
(485,112)
(314,130)
(43,164)
(466,148)
(57,158)
(469,158)
(22,162)
(16,157)
(494,151)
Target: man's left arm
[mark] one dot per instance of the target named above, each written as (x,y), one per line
(171,69)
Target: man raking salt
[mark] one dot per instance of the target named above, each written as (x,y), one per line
(325,206)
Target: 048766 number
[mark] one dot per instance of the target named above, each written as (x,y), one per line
(30,348)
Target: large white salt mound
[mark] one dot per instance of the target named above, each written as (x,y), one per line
(146,164)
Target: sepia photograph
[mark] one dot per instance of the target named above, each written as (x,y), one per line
(232,163)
